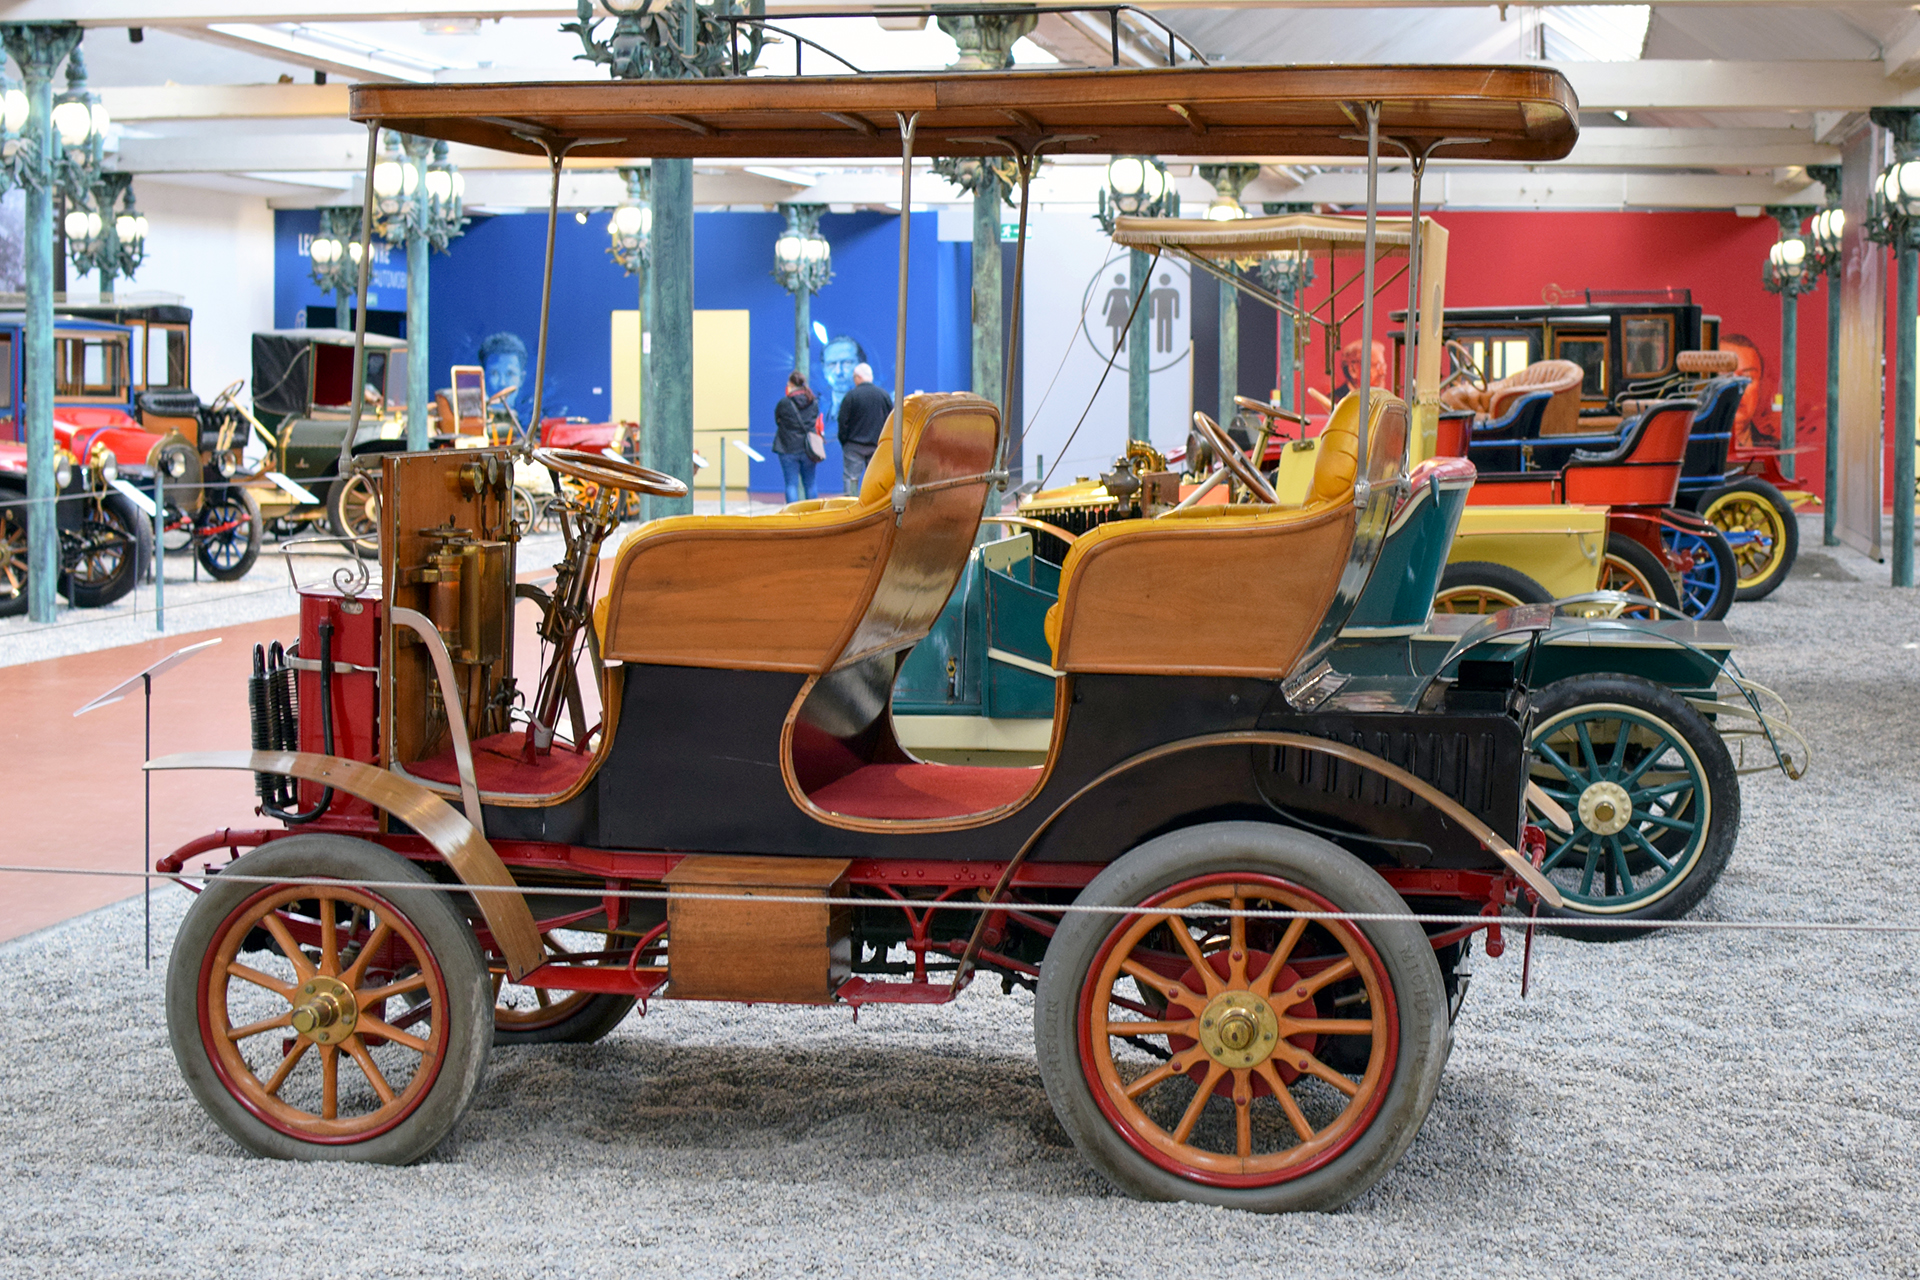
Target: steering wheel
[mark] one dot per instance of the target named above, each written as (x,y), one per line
(1272,412)
(1235,461)
(1465,367)
(614,473)
(226,398)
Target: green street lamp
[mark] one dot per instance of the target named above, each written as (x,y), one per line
(1137,187)
(108,235)
(630,242)
(1788,272)
(334,260)
(803,264)
(1894,218)
(1829,237)
(418,203)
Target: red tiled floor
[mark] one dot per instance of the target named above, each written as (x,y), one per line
(70,790)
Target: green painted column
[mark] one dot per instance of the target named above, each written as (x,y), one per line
(1907,299)
(1139,354)
(802,339)
(669,435)
(39,50)
(1229,372)
(1789,219)
(419,371)
(1829,511)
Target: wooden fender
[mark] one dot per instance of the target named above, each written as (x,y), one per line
(433,819)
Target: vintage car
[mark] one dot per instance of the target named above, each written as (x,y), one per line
(304,416)
(1216,883)
(105,541)
(1629,349)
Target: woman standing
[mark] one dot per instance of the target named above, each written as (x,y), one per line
(796,421)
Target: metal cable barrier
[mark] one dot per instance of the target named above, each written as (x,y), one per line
(186,878)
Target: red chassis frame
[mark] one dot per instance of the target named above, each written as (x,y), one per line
(895,879)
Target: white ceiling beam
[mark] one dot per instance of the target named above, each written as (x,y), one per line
(1697,149)
(251,39)
(218,102)
(1678,85)
(1900,51)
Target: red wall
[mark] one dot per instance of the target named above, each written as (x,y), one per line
(1509,258)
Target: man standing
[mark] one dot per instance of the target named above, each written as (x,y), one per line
(863,414)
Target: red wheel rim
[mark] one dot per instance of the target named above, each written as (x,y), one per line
(1241,996)
(377,958)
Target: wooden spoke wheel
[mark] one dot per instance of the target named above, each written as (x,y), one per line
(534,1015)
(322,1022)
(1650,790)
(1631,568)
(1760,525)
(13,557)
(1708,583)
(1259,1064)
(353,510)
(1477,586)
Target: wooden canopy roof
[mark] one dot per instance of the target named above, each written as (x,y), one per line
(1515,113)
(1250,237)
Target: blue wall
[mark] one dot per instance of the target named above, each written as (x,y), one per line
(489,282)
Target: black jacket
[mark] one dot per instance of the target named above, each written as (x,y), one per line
(863,414)
(793,417)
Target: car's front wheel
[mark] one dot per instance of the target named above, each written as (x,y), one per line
(1265,1064)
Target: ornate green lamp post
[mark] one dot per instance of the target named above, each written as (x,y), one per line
(110,235)
(1829,236)
(1789,273)
(49,147)
(1228,180)
(1137,186)
(669,40)
(803,264)
(629,241)
(1895,220)
(334,260)
(419,202)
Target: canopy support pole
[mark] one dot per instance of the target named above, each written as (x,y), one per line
(556,158)
(360,306)
(1366,307)
(907,125)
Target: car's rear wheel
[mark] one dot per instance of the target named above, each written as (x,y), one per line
(13,557)
(353,509)
(1708,583)
(1269,1065)
(329,1023)
(1650,792)
(1760,524)
(1631,568)
(1478,586)
(100,559)
(227,534)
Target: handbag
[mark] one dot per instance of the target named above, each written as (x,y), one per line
(817,438)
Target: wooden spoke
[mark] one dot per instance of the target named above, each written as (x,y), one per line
(1237,944)
(1567,771)
(247,973)
(1263,985)
(1326,1026)
(1284,1096)
(499,980)
(395,1034)
(1188,1028)
(302,967)
(1140,973)
(329,939)
(1314,1067)
(255,1028)
(329,1082)
(1326,977)
(1592,865)
(381,932)
(1646,845)
(279,1077)
(1243,1113)
(1184,937)
(392,989)
(1192,1116)
(540,994)
(1619,749)
(1620,867)
(1165,1071)
(367,1069)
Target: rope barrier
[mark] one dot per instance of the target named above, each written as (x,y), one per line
(956,904)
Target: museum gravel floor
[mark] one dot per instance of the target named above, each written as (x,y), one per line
(1706,1102)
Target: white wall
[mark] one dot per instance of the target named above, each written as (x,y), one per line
(214,249)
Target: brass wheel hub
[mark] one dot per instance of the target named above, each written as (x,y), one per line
(324,1010)
(1605,808)
(1239,1029)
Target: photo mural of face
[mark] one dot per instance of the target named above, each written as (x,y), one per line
(504,357)
(1755,424)
(837,362)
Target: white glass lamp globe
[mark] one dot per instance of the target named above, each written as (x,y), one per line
(14,114)
(387,179)
(621,8)
(1223,209)
(1126,176)
(354,251)
(786,250)
(1155,184)
(629,220)
(815,249)
(1793,253)
(439,184)
(76,224)
(73,122)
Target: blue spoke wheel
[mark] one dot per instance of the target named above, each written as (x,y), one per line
(1708,585)
(1651,795)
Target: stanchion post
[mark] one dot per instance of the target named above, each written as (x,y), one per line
(159,550)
